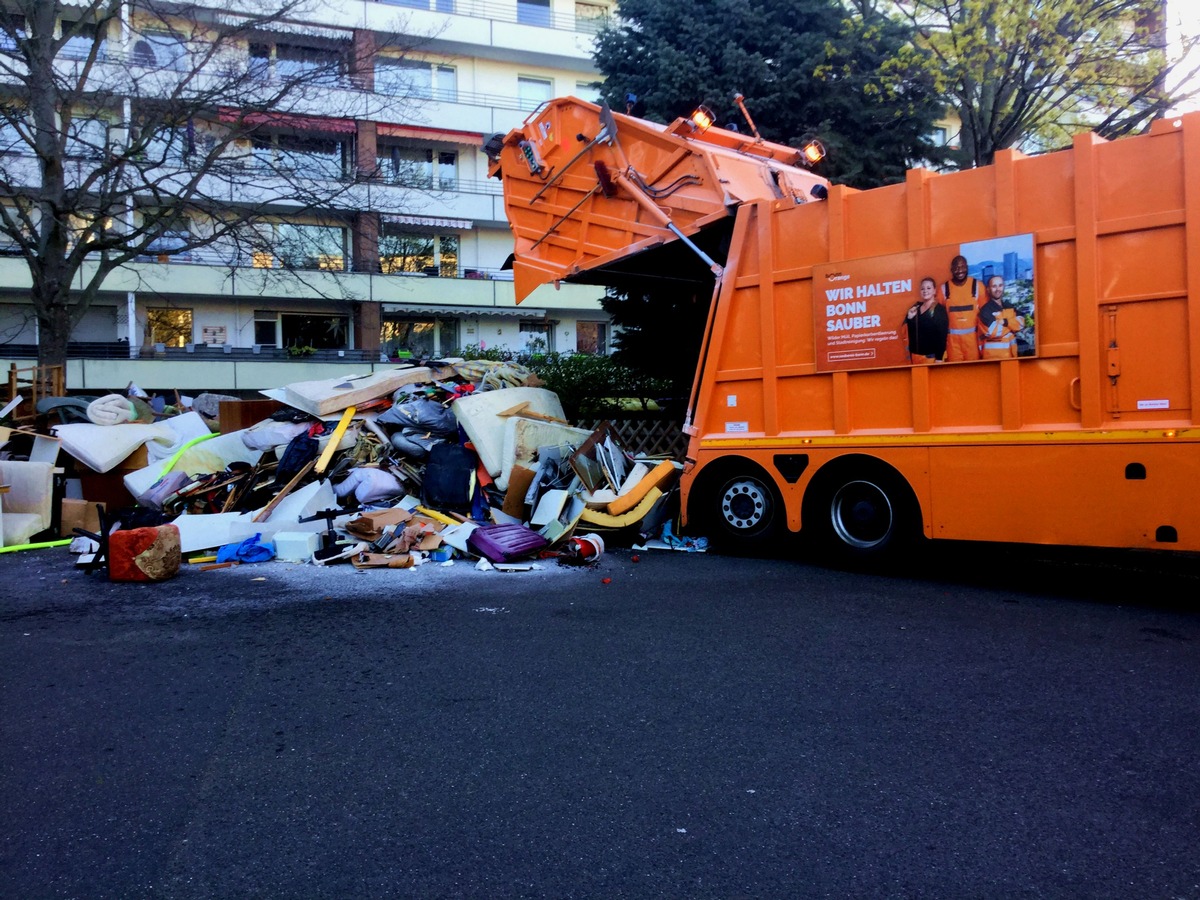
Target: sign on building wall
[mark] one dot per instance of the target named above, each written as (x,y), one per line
(213,334)
(955,303)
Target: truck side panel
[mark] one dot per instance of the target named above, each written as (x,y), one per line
(1089,442)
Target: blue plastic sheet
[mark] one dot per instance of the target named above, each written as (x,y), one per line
(252,549)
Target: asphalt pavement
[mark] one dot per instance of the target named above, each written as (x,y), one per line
(696,726)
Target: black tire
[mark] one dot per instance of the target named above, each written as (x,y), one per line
(742,511)
(867,514)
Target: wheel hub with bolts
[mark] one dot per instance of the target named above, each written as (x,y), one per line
(744,504)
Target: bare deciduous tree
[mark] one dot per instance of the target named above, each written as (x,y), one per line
(134,128)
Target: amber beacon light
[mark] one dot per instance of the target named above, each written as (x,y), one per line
(703,118)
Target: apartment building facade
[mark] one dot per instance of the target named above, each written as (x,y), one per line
(409,258)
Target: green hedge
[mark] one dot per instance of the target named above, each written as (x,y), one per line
(587,385)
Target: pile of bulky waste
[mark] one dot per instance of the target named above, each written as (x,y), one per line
(453,459)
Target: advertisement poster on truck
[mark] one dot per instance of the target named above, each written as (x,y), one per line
(954,303)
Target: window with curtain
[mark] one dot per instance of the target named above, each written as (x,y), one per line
(305,155)
(533,12)
(160,50)
(286,62)
(592,338)
(84,36)
(537,335)
(419,167)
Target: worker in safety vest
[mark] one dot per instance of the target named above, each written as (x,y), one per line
(962,297)
(998,323)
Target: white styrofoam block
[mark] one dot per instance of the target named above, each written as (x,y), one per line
(292,546)
(204,532)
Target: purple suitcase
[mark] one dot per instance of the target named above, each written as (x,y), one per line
(504,543)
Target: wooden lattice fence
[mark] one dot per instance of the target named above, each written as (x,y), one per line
(646,435)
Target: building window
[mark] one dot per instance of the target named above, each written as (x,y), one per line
(168,143)
(415,167)
(591,337)
(310,157)
(84,36)
(172,327)
(939,136)
(295,246)
(160,50)
(418,337)
(266,328)
(533,92)
(427,254)
(87,138)
(174,236)
(533,12)
(294,62)
(311,246)
(323,332)
(590,17)
(409,78)
(537,336)
(14,122)
(442,6)
(588,90)
(13,32)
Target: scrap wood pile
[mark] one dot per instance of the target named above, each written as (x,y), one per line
(452,459)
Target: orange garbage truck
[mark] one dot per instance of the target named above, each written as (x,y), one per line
(1006,354)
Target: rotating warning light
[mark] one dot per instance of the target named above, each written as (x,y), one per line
(703,118)
(813,152)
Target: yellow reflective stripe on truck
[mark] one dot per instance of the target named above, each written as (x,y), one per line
(991,437)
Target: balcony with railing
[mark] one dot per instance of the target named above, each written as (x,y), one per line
(588,18)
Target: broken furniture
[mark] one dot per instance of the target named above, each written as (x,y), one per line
(27,507)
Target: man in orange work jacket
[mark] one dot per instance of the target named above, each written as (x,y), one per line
(998,323)
(962,297)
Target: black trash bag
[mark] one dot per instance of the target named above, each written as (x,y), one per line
(449,476)
(300,450)
(422,424)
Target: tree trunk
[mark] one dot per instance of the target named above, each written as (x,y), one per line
(54,330)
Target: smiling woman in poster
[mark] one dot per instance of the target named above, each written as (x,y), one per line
(927,325)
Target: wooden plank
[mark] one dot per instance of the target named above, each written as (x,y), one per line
(334,440)
(265,512)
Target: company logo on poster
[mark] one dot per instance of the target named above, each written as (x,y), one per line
(956,303)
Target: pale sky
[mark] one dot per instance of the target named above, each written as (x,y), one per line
(1183,19)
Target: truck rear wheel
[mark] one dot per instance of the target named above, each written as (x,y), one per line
(865,515)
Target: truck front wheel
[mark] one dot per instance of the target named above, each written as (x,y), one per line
(741,511)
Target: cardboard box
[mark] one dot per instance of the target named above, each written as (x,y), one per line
(79,514)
